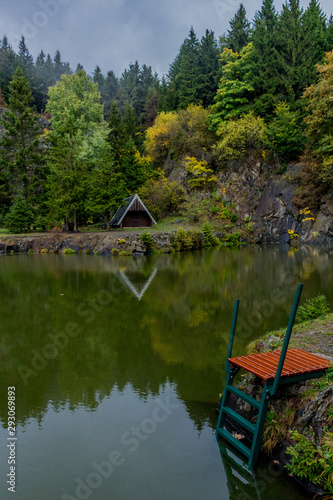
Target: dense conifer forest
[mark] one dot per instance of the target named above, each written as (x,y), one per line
(72,146)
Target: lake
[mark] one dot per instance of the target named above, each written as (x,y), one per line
(118,363)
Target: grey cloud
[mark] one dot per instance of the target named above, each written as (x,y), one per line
(113,33)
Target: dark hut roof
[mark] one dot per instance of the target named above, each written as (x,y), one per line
(124,208)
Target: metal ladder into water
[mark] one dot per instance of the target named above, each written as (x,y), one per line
(273,369)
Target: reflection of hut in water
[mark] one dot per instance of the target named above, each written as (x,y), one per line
(137,283)
(132,213)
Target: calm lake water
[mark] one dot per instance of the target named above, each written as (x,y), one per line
(118,363)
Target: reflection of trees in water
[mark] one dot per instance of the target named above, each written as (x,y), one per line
(177,332)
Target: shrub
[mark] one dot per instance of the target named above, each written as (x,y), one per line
(186,240)
(232,240)
(313,308)
(148,241)
(201,175)
(115,251)
(123,253)
(310,461)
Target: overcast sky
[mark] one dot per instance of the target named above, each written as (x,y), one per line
(113,33)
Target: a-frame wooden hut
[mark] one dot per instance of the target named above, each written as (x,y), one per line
(132,213)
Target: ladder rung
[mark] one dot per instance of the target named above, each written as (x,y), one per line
(237,444)
(241,420)
(245,397)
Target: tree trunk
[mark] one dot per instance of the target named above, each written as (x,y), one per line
(75,222)
(108,222)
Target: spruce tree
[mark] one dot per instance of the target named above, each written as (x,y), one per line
(210,72)
(329,33)
(8,65)
(265,74)
(240,31)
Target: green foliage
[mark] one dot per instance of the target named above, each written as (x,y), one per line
(210,239)
(177,133)
(326,380)
(148,241)
(78,143)
(313,308)
(235,89)
(123,253)
(241,136)
(193,207)
(201,175)
(162,198)
(232,240)
(21,146)
(193,75)
(310,461)
(115,251)
(273,431)
(284,134)
(20,217)
(319,118)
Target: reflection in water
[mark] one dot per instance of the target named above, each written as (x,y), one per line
(267,480)
(73,333)
(135,285)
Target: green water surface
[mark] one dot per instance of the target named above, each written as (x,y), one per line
(118,363)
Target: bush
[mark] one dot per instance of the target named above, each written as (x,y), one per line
(232,240)
(312,462)
(148,241)
(240,136)
(313,308)
(19,217)
(186,240)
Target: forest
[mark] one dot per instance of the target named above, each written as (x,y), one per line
(73,146)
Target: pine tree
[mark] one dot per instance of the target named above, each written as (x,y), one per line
(297,37)
(240,31)
(329,33)
(22,156)
(210,72)
(116,133)
(8,65)
(265,74)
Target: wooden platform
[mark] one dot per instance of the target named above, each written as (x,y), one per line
(264,365)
